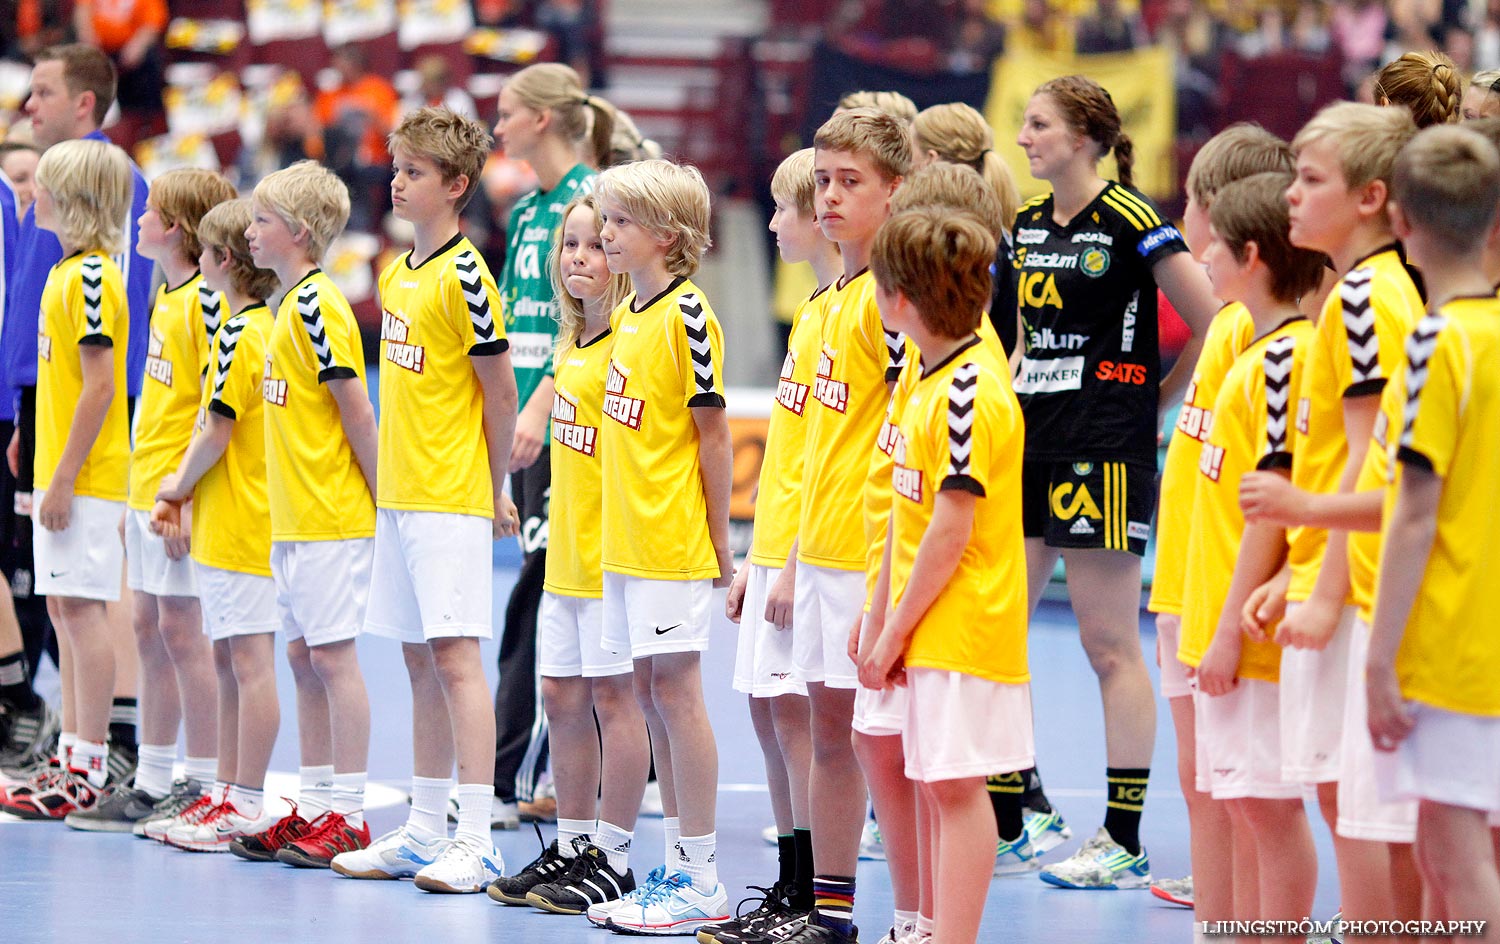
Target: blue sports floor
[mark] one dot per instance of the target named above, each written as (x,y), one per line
(59,884)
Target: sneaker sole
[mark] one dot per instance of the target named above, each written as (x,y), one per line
(370,874)
(1050,840)
(1017,870)
(1116,886)
(551,907)
(676,929)
(88,825)
(250,855)
(198,846)
(505,898)
(30,814)
(301,859)
(1171,899)
(428,884)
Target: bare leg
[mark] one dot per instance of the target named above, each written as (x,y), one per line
(431,731)
(467,697)
(836,785)
(181,625)
(661,751)
(576,761)
(776,775)
(789,714)
(1455,855)
(254,658)
(677,692)
(93,664)
(159,707)
(626,756)
(314,730)
(895,799)
(966,854)
(1282,837)
(927,826)
(1208,825)
(122,640)
(337,664)
(69,709)
(1245,867)
(228,715)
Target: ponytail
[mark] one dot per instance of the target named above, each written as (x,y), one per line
(1125,159)
(994,171)
(601,130)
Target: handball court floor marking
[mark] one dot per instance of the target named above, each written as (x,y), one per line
(57,883)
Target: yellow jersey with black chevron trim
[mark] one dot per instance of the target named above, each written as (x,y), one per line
(1374,474)
(573,529)
(1230,332)
(1359,342)
(317,492)
(778,501)
(667,358)
(960,428)
(857,358)
(83,303)
(434,317)
(231,511)
(1450,653)
(177,354)
(1252,429)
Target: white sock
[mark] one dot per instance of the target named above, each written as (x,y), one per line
(220,791)
(349,797)
(570,829)
(65,742)
(91,758)
(474,800)
(616,845)
(315,797)
(906,923)
(250,803)
(924,925)
(153,769)
(697,860)
(671,827)
(201,769)
(428,818)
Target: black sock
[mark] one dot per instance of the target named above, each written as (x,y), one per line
(802,898)
(1034,798)
(786,861)
(122,721)
(15,682)
(1005,796)
(1122,811)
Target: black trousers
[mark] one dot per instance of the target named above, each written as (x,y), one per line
(520,725)
(15,541)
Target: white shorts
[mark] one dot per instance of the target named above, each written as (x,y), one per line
(881,713)
(645,617)
(1174,677)
(1361,814)
(568,644)
(1239,744)
(236,603)
(322,588)
(86,559)
(1448,758)
(147,566)
(763,663)
(1312,705)
(824,608)
(430,577)
(960,725)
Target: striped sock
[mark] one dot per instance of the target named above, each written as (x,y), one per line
(1122,811)
(833,901)
(1005,792)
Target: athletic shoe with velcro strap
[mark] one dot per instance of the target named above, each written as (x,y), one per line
(550,865)
(326,837)
(589,882)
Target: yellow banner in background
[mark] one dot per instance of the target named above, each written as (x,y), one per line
(1142,86)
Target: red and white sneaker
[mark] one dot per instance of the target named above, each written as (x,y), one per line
(215,831)
(190,816)
(327,836)
(263,846)
(52,797)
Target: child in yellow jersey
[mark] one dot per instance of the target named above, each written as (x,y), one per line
(82,451)
(600,772)
(1344,160)
(665,468)
(952,585)
(448,405)
(320,474)
(1250,261)
(176,667)
(1234,153)
(1432,666)
(861,156)
(223,472)
(760,599)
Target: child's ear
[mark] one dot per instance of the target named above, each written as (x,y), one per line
(1400,226)
(457,186)
(1251,250)
(1374,197)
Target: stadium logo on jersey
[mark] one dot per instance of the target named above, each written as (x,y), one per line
(1049,376)
(1211,461)
(833,394)
(44,347)
(1030,237)
(1051,260)
(273,391)
(1045,339)
(1121,372)
(395,332)
(1039,290)
(622,409)
(1103,239)
(1067,503)
(792,396)
(1157,238)
(157,368)
(1094,262)
(565,428)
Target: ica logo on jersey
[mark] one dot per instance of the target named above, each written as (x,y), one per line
(622,409)
(792,396)
(395,332)
(565,428)
(273,391)
(833,394)
(905,480)
(157,368)
(1039,290)
(1070,501)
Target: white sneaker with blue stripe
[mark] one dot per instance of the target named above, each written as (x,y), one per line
(1016,857)
(1047,830)
(600,914)
(1101,863)
(461,869)
(392,856)
(673,906)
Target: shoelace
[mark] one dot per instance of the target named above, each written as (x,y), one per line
(581,866)
(193,813)
(658,892)
(771,900)
(276,835)
(321,828)
(541,859)
(217,813)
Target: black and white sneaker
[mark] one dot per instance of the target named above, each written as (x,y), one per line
(589,881)
(771,909)
(813,933)
(122,762)
(120,807)
(26,733)
(547,867)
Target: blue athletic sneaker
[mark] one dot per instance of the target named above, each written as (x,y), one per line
(1016,857)
(1101,863)
(672,906)
(1047,830)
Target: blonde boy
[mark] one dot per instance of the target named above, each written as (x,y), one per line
(320,469)
(861,157)
(448,402)
(665,458)
(1433,656)
(952,586)
(760,599)
(82,455)
(1237,738)
(224,475)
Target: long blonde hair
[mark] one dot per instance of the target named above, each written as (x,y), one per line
(959,135)
(554,87)
(570,315)
(1426,83)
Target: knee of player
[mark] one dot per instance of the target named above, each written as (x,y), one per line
(614,697)
(566,698)
(1109,656)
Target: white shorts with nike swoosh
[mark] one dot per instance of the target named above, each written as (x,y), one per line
(85,560)
(645,617)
